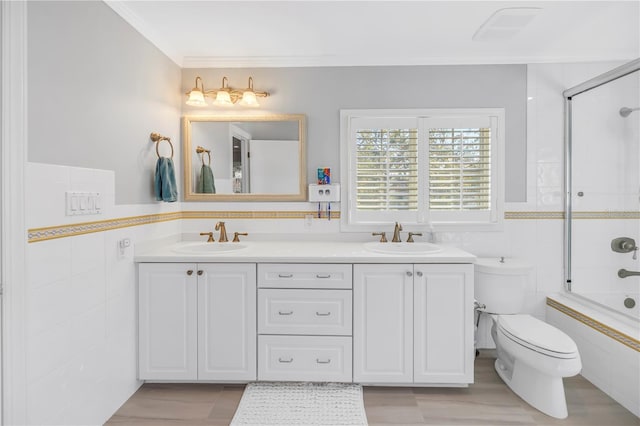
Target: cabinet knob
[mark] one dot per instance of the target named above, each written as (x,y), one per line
(200,272)
(409,273)
(190,272)
(419,273)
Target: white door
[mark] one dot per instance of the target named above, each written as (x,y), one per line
(167,321)
(266,178)
(443,329)
(383,323)
(227,321)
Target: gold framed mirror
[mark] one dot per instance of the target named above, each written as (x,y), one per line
(244,158)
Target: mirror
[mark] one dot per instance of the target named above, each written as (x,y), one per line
(244,158)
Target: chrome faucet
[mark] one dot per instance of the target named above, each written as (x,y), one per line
(396,233)
(223,232)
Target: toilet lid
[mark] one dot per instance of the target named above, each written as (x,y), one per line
(537,335)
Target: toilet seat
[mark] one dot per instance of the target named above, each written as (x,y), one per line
(537,335)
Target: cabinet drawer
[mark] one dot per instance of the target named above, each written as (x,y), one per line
(275,275)
(304,358)
(318,312)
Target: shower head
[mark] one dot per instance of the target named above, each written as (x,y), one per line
(625,111)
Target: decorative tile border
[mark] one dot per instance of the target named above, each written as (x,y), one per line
(256,214)
(607,215)
(62,231)
(576,215)
(598,326)
(533,215)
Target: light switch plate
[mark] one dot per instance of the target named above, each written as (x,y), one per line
(83,203)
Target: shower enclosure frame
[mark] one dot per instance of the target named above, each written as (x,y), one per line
(568,94)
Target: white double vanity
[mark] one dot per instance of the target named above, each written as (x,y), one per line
(306,311)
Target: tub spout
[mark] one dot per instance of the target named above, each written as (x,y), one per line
(623,273)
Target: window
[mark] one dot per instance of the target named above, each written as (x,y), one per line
(420,167)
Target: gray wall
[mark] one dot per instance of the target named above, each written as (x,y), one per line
(320,93)
(97,89)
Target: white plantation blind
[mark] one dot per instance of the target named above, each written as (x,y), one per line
(387,169)
(460,169)
(439,167)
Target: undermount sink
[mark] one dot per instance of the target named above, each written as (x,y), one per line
(402,248)
(209,248)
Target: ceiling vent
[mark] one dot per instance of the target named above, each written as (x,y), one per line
(505,23)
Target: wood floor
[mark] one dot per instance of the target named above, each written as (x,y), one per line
(487,402)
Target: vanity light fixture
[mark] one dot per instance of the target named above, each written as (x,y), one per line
(225,95)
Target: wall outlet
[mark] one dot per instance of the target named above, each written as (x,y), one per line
(308,220)
(123,244)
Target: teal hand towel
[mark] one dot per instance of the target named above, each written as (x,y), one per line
(165,180)
(206,184)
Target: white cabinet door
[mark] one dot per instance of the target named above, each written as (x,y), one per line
(227,321)
(443,329)
(383,323)
(167,321)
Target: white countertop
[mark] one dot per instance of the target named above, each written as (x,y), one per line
(294,252)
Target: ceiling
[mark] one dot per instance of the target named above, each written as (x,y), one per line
(200,34)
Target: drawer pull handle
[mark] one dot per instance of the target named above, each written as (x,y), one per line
(323,361)
(323,276)
(285,312)
(285,275)
(285,361)
(323,314)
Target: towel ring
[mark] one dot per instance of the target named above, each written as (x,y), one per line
(201,150)
(157,138)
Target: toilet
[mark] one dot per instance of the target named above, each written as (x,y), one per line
(533,356)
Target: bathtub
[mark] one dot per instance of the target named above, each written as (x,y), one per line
(617,302)
(608,341)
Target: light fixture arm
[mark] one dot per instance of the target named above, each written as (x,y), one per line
(258,94)
(201,83)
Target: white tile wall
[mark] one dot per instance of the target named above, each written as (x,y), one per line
(81,302)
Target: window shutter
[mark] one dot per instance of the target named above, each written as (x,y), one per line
(387,169)
(441,167)
(459,169)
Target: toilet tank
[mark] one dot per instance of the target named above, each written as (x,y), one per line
(500,284)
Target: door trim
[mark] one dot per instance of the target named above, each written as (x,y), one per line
(13,236)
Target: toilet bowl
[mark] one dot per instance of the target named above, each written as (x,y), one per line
(533,356)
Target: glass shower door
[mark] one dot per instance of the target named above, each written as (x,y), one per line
(605,193)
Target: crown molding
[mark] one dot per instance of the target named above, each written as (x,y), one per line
(352,61)
(146,30)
